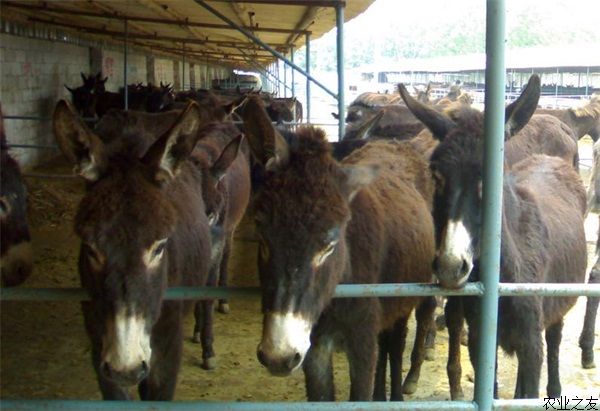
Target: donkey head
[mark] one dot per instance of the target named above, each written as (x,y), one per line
(126,222)
(456,165)
(301,210)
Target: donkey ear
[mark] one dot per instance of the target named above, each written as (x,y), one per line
(72,91)
(335,115)
(356,177)
(83,77)
(174,147)
(518,113)
(370,124)
(435,121)
(268,147)
(82,147)
(228,156)
(231,107)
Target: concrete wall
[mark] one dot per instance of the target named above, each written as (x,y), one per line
(33,73)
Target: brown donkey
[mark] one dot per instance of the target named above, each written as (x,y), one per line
(322,223)
(543,239)
(143,227)
(225,188)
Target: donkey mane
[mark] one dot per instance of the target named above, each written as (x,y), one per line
(592,109)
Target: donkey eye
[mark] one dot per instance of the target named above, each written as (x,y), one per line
(158,250)
(322,255)
(154,253)
(263,249)
(95,257)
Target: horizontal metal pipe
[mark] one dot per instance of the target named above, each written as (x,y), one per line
(536,404)
(68,405)
(193,293)
(549,290)
(40,118)
(40,175)
(44,146)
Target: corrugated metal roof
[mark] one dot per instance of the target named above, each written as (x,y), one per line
(164,26)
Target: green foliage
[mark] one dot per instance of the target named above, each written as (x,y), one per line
(395,30)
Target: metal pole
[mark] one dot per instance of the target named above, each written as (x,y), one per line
(307,82)
(284,79)
(587,82)
(293,72)
(263,45)
(339,22)
(125,88)
(183,68)
(492,201)
(556,89)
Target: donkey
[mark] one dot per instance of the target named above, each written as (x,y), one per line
(143,227)
(83,97)
(542,238)
(16,262)
(322,223)
(587,336)
(583,120)
(225,189)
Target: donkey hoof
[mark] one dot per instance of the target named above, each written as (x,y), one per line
(429,354)
(588,365)
(197,338)
(209,363)
(458,395)
(409,387)
(223,308)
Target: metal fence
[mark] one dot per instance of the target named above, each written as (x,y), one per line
(489,289)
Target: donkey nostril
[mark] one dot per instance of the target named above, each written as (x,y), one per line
(436,263)
(144,366)
(294,361)
(465,267)
(262,358)
(106,369)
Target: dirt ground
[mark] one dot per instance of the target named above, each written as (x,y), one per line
(45,352)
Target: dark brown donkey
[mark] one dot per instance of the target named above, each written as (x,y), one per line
(143,228)
(16,259)
(225,188)
(587,336)
(543,239)
(322,223)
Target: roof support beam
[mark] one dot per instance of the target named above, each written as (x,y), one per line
(172,22)
(145,36)
(309,3)
(265,46)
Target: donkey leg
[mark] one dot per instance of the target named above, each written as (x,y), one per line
(362,357)
(397,345)
(553,338)
(586,339)
(379,393)
(223,306)
(528,335)
(167,344)
(203,330)
(454,321)
(424,316)
(318,372)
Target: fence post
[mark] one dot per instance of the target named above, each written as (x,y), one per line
(339,17)
(492,201)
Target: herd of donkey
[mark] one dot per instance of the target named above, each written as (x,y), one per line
(398,200)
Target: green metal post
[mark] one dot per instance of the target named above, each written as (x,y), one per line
(307,69)
(492,201)
(126,89)
(339,17)
(293,71)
